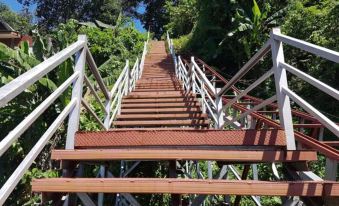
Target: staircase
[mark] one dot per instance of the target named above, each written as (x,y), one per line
(159,99)
(167,110)
(152,126)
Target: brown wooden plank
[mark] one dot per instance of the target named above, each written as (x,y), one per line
(156,89)
(183,154)
(177,137)
(157,95)
(159,100)
(186,186)
(153,123)
(160,110)
(161,105)
(161,116)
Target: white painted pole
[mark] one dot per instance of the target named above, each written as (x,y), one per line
(74,117)
(220,114)
(192,76)
(280,77)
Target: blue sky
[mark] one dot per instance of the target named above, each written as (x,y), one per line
(15,6)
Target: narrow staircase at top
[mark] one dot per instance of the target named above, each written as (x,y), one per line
(159,99)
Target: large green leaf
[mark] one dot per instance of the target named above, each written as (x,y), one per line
(24,47)
(46,82)
(39,47)
(256,13)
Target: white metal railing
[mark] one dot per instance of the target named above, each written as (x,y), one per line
(195,80)
(110,104)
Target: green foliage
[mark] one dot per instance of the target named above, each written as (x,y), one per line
(181,43)
(155,17)
(19,22)
(51,13)
(110,48)
(302,22)
(182,16)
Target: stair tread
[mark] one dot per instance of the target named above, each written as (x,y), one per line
(161,105)
(162,116)
(185,154)
(161,110)
(187,186)
(159,100)
(193,122)
(180,137)
(157,95)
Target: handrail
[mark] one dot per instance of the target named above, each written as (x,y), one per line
(16,176)
(312,48)
(247,67)
(202,75)
(311,80)
(322,118)
(274,44)
(125,83)
(29,120)
(19,84)
(94,69)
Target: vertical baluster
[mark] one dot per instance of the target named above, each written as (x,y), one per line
(203,106)
(127,78)
(220,114)
(280,77)
(120,94)
(74,116)
(192,76)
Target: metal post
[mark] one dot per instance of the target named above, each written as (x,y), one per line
(219,111)
(249,119)
(176,66)
(127,83)
(136,74)
(101,195)
(192,76)
(175,198)
(255,176)
(74,116)
(280,77)
(331,170)
(321,134)
(203,106)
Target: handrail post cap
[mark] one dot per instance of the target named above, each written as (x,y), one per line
(82,37)
(276,30)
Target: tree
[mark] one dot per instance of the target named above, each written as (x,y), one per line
(155,17)
(20,22)
(182,17)
(51,13)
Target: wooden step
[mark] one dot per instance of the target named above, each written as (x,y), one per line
(157,76)
(157,89)
(161,116)
(178,87)
(187,186)
(247,156)
(161,105)
(181,137)
(158,100)
(162,123)
(157,85)
(158,72)
(160,93)
(160,110)
(157,95)
(160,79)
(150,81)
